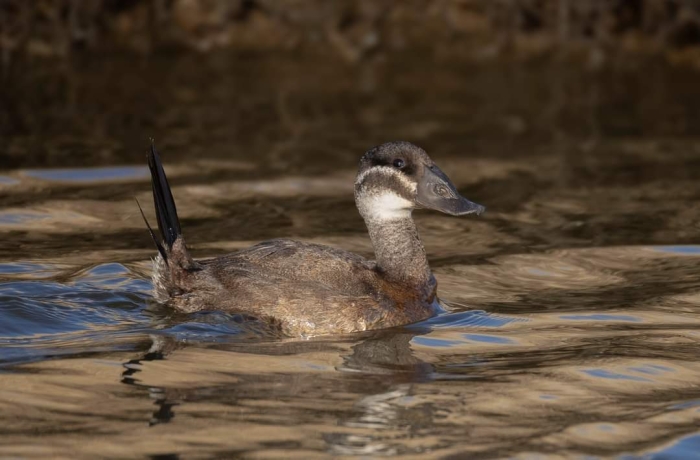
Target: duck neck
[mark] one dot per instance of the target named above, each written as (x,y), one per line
(398,249)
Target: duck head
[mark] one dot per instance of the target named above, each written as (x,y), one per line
(397,177)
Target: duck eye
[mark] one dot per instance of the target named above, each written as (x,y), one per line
(399,163)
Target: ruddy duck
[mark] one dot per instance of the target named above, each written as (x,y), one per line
(305,289)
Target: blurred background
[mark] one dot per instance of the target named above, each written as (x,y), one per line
(88,82)
(595,100)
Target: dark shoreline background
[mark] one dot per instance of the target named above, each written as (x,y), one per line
(353,30)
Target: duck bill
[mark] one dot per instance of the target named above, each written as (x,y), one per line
(436,191)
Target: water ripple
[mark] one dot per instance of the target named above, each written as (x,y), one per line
(86,175)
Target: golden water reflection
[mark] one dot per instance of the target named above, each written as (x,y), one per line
(572,304)
(552,379)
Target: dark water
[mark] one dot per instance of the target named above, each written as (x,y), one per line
(573,304)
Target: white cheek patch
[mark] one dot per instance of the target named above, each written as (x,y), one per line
(388,171)
(388,206)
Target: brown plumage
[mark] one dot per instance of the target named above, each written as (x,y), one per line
(306,289)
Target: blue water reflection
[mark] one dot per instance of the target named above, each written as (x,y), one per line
(687,448)
(89,174)
(606,374)
(602,317)
(679,249)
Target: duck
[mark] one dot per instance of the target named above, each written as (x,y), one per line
(303,289)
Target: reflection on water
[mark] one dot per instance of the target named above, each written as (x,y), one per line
(572,307)
(4,180)
(89,175)
(589,381)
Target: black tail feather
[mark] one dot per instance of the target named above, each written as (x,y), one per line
(160,247)
(166,212)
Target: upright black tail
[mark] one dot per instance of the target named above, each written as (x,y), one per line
(166,212)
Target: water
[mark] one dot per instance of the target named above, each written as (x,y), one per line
(573,304)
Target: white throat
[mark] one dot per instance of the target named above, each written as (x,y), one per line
(385,206)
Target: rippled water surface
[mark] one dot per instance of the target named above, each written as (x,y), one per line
(573,305)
